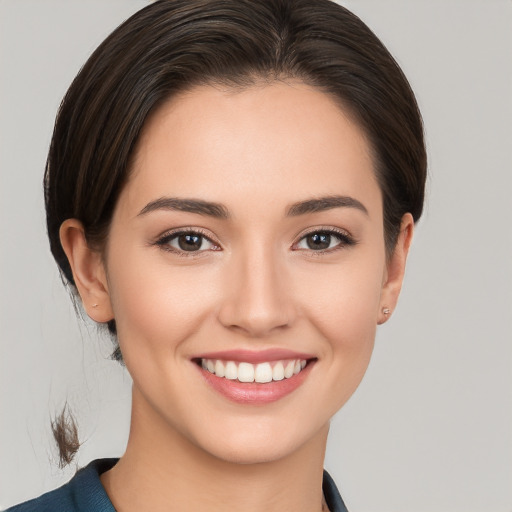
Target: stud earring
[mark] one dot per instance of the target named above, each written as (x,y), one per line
(386,311)
(95,305)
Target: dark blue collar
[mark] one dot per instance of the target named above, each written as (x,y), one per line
(332,495)
(95,498)
(85,493)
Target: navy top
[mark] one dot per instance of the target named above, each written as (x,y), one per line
(85,493)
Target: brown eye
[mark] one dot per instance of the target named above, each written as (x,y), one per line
(324,241)
(186,242)
(190,242)
(318,241)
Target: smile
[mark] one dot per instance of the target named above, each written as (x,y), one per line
(262,373)
(255,377)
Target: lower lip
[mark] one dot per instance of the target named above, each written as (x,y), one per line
(254,393)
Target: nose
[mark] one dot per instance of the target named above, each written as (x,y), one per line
(258,299)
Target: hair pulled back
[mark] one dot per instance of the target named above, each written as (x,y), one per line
(173,45)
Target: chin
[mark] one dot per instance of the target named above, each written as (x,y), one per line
(263,444)
(254,453)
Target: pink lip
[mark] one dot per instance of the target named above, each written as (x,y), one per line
(255,357)
(254,393)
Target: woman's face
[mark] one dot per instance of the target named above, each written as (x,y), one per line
(248,237)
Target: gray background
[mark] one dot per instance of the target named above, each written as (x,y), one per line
(430,428)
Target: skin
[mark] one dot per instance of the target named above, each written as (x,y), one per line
(257,285)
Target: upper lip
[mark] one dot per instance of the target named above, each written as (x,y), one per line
(256,356)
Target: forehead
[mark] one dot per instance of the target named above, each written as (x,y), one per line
(280,141)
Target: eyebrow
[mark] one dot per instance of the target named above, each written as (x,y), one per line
(324,203)
(197,206)
(219,211)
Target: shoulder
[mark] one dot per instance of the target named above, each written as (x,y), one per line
(58,500)
(83,493)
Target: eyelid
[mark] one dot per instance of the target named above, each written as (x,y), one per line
(346,238)
(163,239)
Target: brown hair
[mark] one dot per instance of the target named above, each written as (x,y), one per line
(173,45)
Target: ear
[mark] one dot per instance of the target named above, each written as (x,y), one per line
(395,269)
(88,271)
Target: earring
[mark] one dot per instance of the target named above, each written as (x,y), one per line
(95,305)
(386,311)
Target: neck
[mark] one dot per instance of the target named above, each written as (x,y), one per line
(163,471)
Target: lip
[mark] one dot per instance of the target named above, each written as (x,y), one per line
(255,393)
(255,356)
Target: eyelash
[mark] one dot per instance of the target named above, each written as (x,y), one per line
(345,240)
(166,238)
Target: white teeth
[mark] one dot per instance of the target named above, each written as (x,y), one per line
(288,371)
(263,373)
(278,371)
(247,372)
(219,369)
(231,371)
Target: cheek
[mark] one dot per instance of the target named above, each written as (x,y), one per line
(156,306)
(344,302)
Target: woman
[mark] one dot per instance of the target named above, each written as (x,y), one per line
(232,188)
